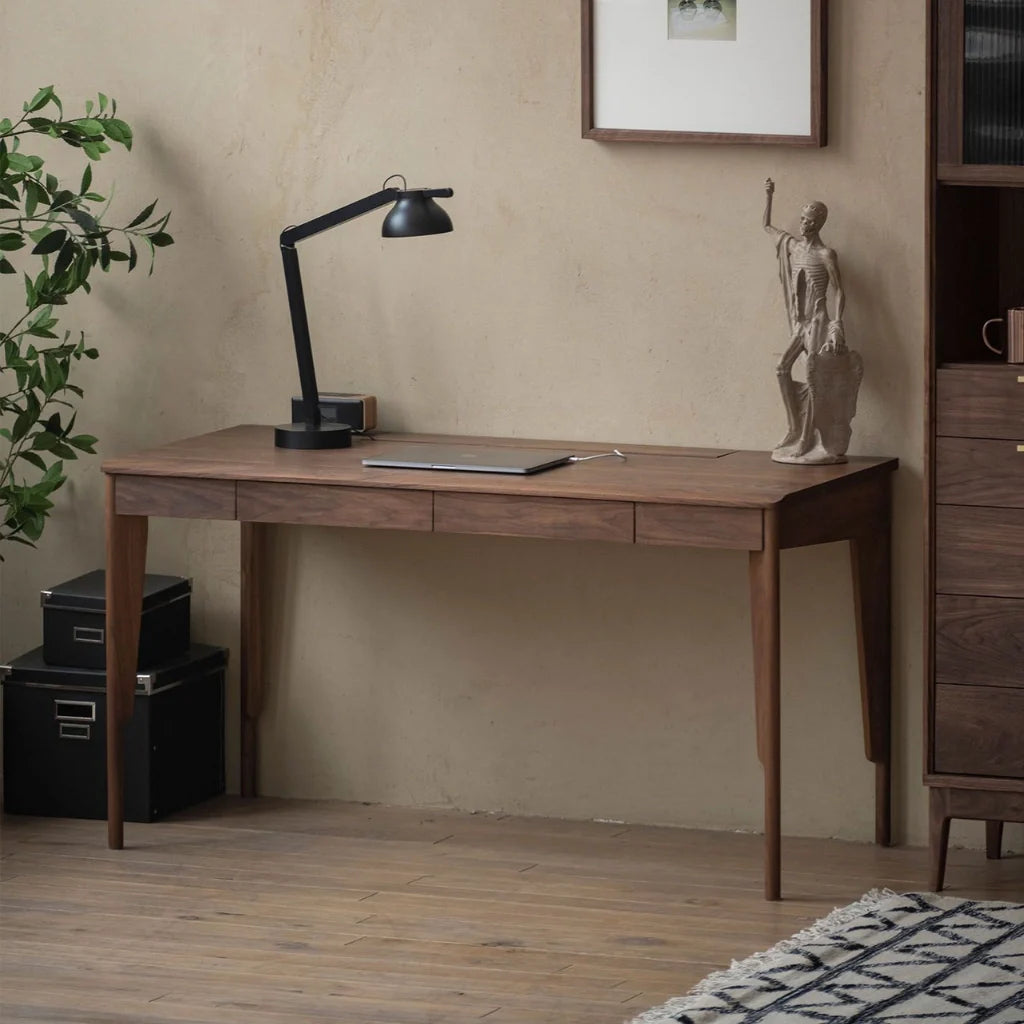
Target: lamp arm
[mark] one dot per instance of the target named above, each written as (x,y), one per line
(296,299)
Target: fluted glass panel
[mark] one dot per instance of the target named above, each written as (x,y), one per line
(994,82)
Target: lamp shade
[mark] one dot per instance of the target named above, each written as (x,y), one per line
(415,213)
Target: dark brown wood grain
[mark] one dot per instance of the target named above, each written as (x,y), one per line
(176,497)
(818,135)
(312,505)
(979,641)
(255,538)
(979,730)
(871,566)
(126,537)
(977,471)
(979,551)
(765,623)
(846,509)
(504,515)
(951,801)
(948,68)
(694,526)
(1006,175)
(985,401)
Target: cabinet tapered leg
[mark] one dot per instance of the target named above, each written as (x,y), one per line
(253,591)
(126,569)
(994,839)
(938,820)
(871,561)
(764,615)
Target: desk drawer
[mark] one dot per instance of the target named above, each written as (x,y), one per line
(171,496)
(979,641)
(320,505)
(516,515)
(700,526)
(979,730)
(979,551)
(982,401)
(973,471)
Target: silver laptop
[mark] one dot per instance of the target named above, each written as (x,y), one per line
(467,457)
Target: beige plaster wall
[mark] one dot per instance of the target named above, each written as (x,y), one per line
(619,292)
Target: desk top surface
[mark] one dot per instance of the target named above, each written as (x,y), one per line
(649,473)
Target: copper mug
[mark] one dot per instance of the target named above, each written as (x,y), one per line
(1014,321)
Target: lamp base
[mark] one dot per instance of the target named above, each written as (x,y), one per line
(301,436)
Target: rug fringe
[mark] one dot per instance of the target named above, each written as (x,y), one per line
(741,970)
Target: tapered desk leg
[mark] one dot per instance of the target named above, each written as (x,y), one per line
(253,575)
(126,568)
(764,615)
(993,839)
(871,559)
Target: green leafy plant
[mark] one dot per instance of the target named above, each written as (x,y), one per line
(55,236)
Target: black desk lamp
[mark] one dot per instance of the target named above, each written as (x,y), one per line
(414,213)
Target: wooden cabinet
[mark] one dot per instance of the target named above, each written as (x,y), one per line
(975,421)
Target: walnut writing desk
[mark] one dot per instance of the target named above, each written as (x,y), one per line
(685,496)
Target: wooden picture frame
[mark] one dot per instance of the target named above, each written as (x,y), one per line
(617,49)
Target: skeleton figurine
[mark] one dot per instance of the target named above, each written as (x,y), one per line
(819,412)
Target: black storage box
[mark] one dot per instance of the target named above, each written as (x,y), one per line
(55,737)
(75,621)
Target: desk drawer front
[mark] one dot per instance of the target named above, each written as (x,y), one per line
(698,526)
(986,401)
(979,730)
(979,641)
(979,551)
(514,515)
(319,505)
(971,471)
(174,496)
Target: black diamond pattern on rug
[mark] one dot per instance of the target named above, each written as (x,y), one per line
(914,958)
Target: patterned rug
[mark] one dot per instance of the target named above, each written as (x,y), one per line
(887,959)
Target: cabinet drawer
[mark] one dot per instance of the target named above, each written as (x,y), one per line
(983,401)
(973,471)
(979,551)
(979,730)
(979,641)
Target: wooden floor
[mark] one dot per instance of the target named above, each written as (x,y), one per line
(267,912)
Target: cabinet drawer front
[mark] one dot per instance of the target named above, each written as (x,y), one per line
(979,730)
(972,471)
(979,641)
(979,551)
(515,515)
(985,401)
(320,505)
(696,526)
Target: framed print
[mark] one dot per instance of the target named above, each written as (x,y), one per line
(748,71)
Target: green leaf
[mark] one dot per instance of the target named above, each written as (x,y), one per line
(161,238)
(84,443)
(51,243)
(140,218)
(89,125)
(5,126)
(88,106)
(34,459)
(86,179)
(6,267)
(65,259)
(133,259)
(11,241)
(119,131)
(84,220)
(45,441)
(40,99)
(103,102)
